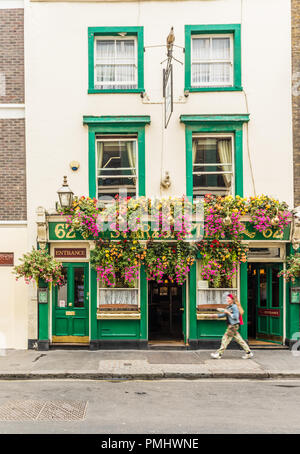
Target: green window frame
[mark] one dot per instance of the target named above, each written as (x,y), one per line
(137,32)
(235,30)
(117,125)
(215,124)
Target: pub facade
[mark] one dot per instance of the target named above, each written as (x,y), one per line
(117,117)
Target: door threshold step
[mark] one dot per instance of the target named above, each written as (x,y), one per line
(69,346)
(167,345)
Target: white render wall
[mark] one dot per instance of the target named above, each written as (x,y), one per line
(56,52)
(15,297)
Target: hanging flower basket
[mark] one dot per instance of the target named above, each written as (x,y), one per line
(38,264)
(292,271)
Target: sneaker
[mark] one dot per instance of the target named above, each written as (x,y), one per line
(216,355)
(248,355)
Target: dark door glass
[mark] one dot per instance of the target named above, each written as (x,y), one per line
(79,287)
(263,286)
(275,288)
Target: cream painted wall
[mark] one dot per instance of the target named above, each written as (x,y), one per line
(15,296)
(57,82)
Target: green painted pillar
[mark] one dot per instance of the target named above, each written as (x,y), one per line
(193,302)
(244,298)
(93,299)
(143,304)
(43,320)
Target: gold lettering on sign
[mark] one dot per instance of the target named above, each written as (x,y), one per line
(62,231)
(249,234)
(267,233)
(278,234)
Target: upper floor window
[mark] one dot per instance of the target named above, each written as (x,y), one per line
(116,165)
(116,59)
(212,60)
(115,63)
(213,170)
(213,57)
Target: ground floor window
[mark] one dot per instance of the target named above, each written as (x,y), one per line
(118,298)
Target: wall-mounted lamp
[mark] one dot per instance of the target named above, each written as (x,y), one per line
(65,195)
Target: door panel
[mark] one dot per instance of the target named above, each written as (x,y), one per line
(269,302)
(70,316)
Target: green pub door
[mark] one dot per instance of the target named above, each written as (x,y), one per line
(70,313)
(265,302)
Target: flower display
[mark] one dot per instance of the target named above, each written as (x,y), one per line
(118,259)
(38,264)
(169,262)
(220,261)
(117,263)
(266,213)
(292,271)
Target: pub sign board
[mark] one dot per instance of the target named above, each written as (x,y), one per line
(6,259)
(60,231)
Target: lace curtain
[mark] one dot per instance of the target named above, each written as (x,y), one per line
(213,296)
(205,50)
(115,64)
(118,296)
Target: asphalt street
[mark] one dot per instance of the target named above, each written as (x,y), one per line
(154,407)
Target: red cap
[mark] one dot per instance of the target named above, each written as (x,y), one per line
(230,295)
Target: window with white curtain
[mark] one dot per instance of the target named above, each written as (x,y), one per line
(116,165)
(212,60)
(115,62)
(213,165)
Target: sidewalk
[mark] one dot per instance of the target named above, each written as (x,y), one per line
(146,365)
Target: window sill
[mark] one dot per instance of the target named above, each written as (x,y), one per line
(196,89)
(132,90)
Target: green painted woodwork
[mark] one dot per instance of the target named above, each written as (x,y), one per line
(235,30)
(114,31)
(117,125)
(77,324)
(293,310)
(268,327)
(43,313)
(210,329)
(211,124)
(244,298)
(93,307)
(134,120)
(184,306)
(143,304)
(232,118)
(118,329)
(192,283)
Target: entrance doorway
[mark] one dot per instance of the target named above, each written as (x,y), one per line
(165,312)
(265,302)
(70,312)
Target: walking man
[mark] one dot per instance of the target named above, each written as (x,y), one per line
(232,332)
